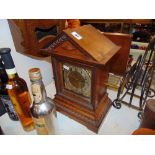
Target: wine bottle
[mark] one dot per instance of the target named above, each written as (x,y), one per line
(43,109)
(4,97)
(17,91)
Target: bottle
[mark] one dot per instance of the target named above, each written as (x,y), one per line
(1,131)
(4,97)
(17,91)
(2,108)
(43,109)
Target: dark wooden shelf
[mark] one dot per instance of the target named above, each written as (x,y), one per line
(31,35)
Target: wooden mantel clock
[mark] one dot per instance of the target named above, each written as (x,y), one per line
(80,59)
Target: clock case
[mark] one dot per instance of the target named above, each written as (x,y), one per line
(83,47)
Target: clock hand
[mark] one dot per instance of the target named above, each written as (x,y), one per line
(79,80)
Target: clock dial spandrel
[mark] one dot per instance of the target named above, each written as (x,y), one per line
(77,79)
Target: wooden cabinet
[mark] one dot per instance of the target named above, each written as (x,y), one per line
(31,36)
(118,64)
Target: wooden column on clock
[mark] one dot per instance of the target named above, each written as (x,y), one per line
(80,59)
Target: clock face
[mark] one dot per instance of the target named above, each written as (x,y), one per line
(77,79)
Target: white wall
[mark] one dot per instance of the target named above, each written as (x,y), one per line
(24,63)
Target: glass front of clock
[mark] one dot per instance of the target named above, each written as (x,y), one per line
(77,79)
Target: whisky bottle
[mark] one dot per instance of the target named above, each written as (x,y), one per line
(4,97)
(43,109)
(17,91)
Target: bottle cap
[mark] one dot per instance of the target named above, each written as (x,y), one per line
(6,58)
(35,74)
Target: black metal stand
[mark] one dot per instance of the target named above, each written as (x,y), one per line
(138,78)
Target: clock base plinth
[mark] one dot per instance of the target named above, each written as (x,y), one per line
(89,118)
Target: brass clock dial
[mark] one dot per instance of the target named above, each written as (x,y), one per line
(77,79)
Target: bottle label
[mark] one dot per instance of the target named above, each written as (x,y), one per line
(11,71)
(9,107)
(8,86)
(41,126)
(36,91)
